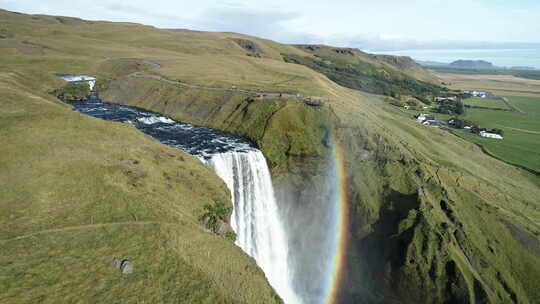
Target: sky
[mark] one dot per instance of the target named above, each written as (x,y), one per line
(382,25)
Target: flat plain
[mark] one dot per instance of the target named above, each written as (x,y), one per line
(486,103)
(496,84)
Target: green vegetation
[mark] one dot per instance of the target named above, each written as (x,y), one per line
(432,218)
(521,144)
(72,91)
(458,123)
(535,75)
(79,191)
(488,103)
(368,77)
(215,218)
(450,107)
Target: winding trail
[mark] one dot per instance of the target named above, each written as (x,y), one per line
(259,94)
(90,226)
(525,131)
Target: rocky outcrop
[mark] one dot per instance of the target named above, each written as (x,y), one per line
(252,48)
(400,62)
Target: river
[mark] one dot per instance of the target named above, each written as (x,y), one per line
(255,218)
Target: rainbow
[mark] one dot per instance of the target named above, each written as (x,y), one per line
(336,267)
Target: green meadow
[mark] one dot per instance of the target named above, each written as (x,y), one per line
(521,143)
(485,103)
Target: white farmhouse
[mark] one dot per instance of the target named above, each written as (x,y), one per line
(490,135)
(444,99)
(421,118)
(475,93)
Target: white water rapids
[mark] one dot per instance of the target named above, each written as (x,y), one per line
(255,217)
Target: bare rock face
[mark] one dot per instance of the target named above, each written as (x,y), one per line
(253,48)
(224,228)
(344,51)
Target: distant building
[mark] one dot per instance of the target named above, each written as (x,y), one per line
(445,99)
(475,93)
(490,135)
(424,117)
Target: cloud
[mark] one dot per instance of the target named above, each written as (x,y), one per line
(384,25)
(238,19)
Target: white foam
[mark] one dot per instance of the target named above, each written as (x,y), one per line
(255,217)
(155,119)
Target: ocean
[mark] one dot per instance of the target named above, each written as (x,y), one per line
(499,57)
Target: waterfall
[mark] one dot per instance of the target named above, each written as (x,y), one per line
(255,217)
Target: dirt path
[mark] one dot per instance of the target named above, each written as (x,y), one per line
(525,131)
(82,227)
(156,65)
(259,94)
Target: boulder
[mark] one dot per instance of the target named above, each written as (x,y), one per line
(125,266)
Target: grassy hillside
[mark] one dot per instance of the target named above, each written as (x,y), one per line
(433,219)
(398,77)
(449,182)
(78,192)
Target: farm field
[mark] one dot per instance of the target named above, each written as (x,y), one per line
(521,144)
(485,103)
(502,85)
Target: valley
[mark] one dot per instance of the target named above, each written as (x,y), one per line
(522,141)
(519,101)
(375,207)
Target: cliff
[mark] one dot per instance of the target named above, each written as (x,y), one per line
(427,224)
